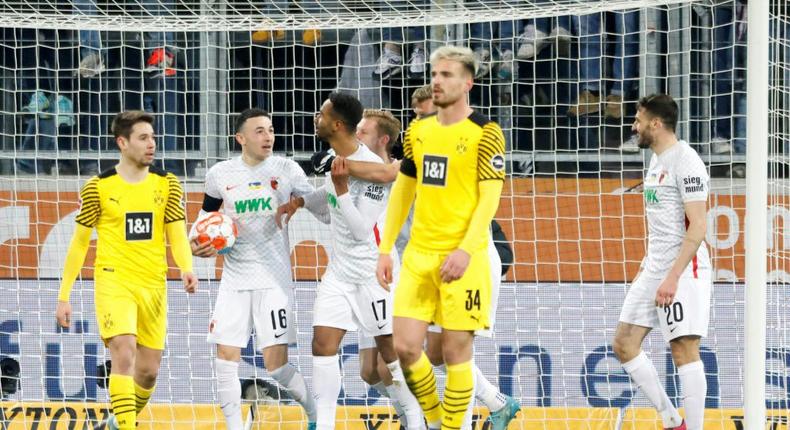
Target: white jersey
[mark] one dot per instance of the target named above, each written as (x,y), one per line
(260,258)
(675,177)
(353,258)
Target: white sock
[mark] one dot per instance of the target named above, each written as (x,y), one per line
(326,389)
(383,391)
(442,368)
(400,393)
(293,381)
(229,392)
(645,377)
(487,393)
(694,387)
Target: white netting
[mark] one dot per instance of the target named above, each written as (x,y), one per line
(572,208)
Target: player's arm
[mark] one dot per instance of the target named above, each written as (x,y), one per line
(301,187)
(176,232)
(400,201)
(381,173)
(490,179)
(90,209)
(692,181)
(361,219)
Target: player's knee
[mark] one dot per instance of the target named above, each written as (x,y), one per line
(685,350)
(323,348)
(435,356)
(407,353)
(624,350)
(146,376)
(370,375)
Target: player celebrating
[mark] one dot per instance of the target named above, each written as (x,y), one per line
(454,163)
(133,207)
(349,297)
(256,276)
(672,290)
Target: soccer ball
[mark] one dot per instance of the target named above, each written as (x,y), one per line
(217,228)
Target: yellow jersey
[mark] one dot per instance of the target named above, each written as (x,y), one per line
(130,222)
(448,162)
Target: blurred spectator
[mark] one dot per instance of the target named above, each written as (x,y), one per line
(485,44)
(625,66)
(729,60)
(91,54)
(394,49)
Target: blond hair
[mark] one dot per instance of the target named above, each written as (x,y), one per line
(461,54)
(386,123)
(421,94)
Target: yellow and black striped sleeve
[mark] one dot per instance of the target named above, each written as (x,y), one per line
(174,211)
(491,153)
(407,166)
(90,203)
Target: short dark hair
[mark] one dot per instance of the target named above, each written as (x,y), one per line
(661,106)
(250,113)
(348,109)
(124,122)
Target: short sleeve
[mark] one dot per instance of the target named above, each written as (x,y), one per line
(212,188)
(174,211)
(692,179)
(407,166)
(491,153)
(90,203)
(300,185)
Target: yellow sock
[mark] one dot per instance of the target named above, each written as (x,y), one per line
(458,393)
(422,383)
(122,401)
(141,396)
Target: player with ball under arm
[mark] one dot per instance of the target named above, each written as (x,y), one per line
(256,276)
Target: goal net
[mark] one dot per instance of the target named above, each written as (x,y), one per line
(562,78)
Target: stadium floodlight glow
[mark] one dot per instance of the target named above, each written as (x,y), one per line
(9,376)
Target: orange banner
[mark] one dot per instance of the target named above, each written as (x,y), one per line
(562,230)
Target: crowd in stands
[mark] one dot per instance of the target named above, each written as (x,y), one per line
(557,83)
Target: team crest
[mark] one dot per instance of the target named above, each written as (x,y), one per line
(159,199)
(462,146)
(274,183)
(498,162)
(107,321)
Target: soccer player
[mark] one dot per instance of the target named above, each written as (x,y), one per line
(454,163)
(133,207)
(422,101)
(379,131)
(349,297)
(672,289)
(255,288)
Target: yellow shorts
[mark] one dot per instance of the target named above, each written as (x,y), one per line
(131,306)
(460,305)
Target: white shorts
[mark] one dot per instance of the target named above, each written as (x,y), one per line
(353,306)
(688,315)
(236,313)
(496,280)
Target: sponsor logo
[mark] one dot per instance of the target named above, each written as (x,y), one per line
(112,199)
(230,187)
(253,205)
(277,336)
(498,162)
(380,326)
(651,195)
(693,184)
(375,192)
(332,200)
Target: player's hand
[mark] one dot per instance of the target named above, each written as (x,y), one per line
(204,250)
(340,175)
(454,266)
(666,291)
(63,314)
(287,210)
(384,271)
(190,282)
